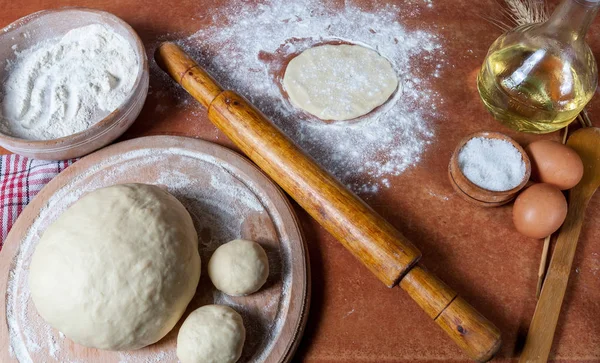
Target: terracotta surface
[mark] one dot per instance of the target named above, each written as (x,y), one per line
(476,250)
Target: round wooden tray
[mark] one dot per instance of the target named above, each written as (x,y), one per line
(228,198)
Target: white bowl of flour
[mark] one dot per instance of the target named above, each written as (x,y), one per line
(72,81)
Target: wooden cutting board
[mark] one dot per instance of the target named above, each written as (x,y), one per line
(228,198)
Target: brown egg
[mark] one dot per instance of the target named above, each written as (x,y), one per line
(554,163)
(539,210)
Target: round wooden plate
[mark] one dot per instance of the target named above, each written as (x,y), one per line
(228,198)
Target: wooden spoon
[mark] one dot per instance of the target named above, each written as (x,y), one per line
(586,142)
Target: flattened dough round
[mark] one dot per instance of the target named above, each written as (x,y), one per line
(118,268)
(339,82)
(211,334)
(238,267)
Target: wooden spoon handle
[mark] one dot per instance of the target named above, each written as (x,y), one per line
(541,331)
(375,242)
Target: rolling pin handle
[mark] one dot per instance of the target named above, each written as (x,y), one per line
(185,71)
(472,332)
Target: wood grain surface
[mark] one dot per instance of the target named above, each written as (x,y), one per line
(215,185)
(477,251)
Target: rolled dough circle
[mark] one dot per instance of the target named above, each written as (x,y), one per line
(238,267)
(211,334)
(339,82)
(118,268)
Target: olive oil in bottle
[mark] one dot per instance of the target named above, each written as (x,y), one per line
(537,78)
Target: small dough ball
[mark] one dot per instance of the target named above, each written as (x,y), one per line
(539,210)
(118,268)
(211,334)
(238,267)
(339,82)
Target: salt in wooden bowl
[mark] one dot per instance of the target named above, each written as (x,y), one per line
(475,194)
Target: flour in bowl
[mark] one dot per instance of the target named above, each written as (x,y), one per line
(63,86)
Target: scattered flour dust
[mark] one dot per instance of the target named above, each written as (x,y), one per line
(248,44)
(64,85)
(220,200)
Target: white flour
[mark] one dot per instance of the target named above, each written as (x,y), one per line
(246,49)
(63,86)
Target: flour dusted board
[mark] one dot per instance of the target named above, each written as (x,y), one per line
(228,198)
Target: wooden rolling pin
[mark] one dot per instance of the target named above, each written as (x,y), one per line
(375,242)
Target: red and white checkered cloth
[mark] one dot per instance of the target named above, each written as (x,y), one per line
(21,179)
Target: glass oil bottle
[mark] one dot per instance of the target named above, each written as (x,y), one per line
(538,77)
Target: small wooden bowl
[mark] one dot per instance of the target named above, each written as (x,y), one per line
(476,194)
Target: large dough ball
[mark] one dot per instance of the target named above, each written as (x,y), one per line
(117,269)
(238,267)
(211,334)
